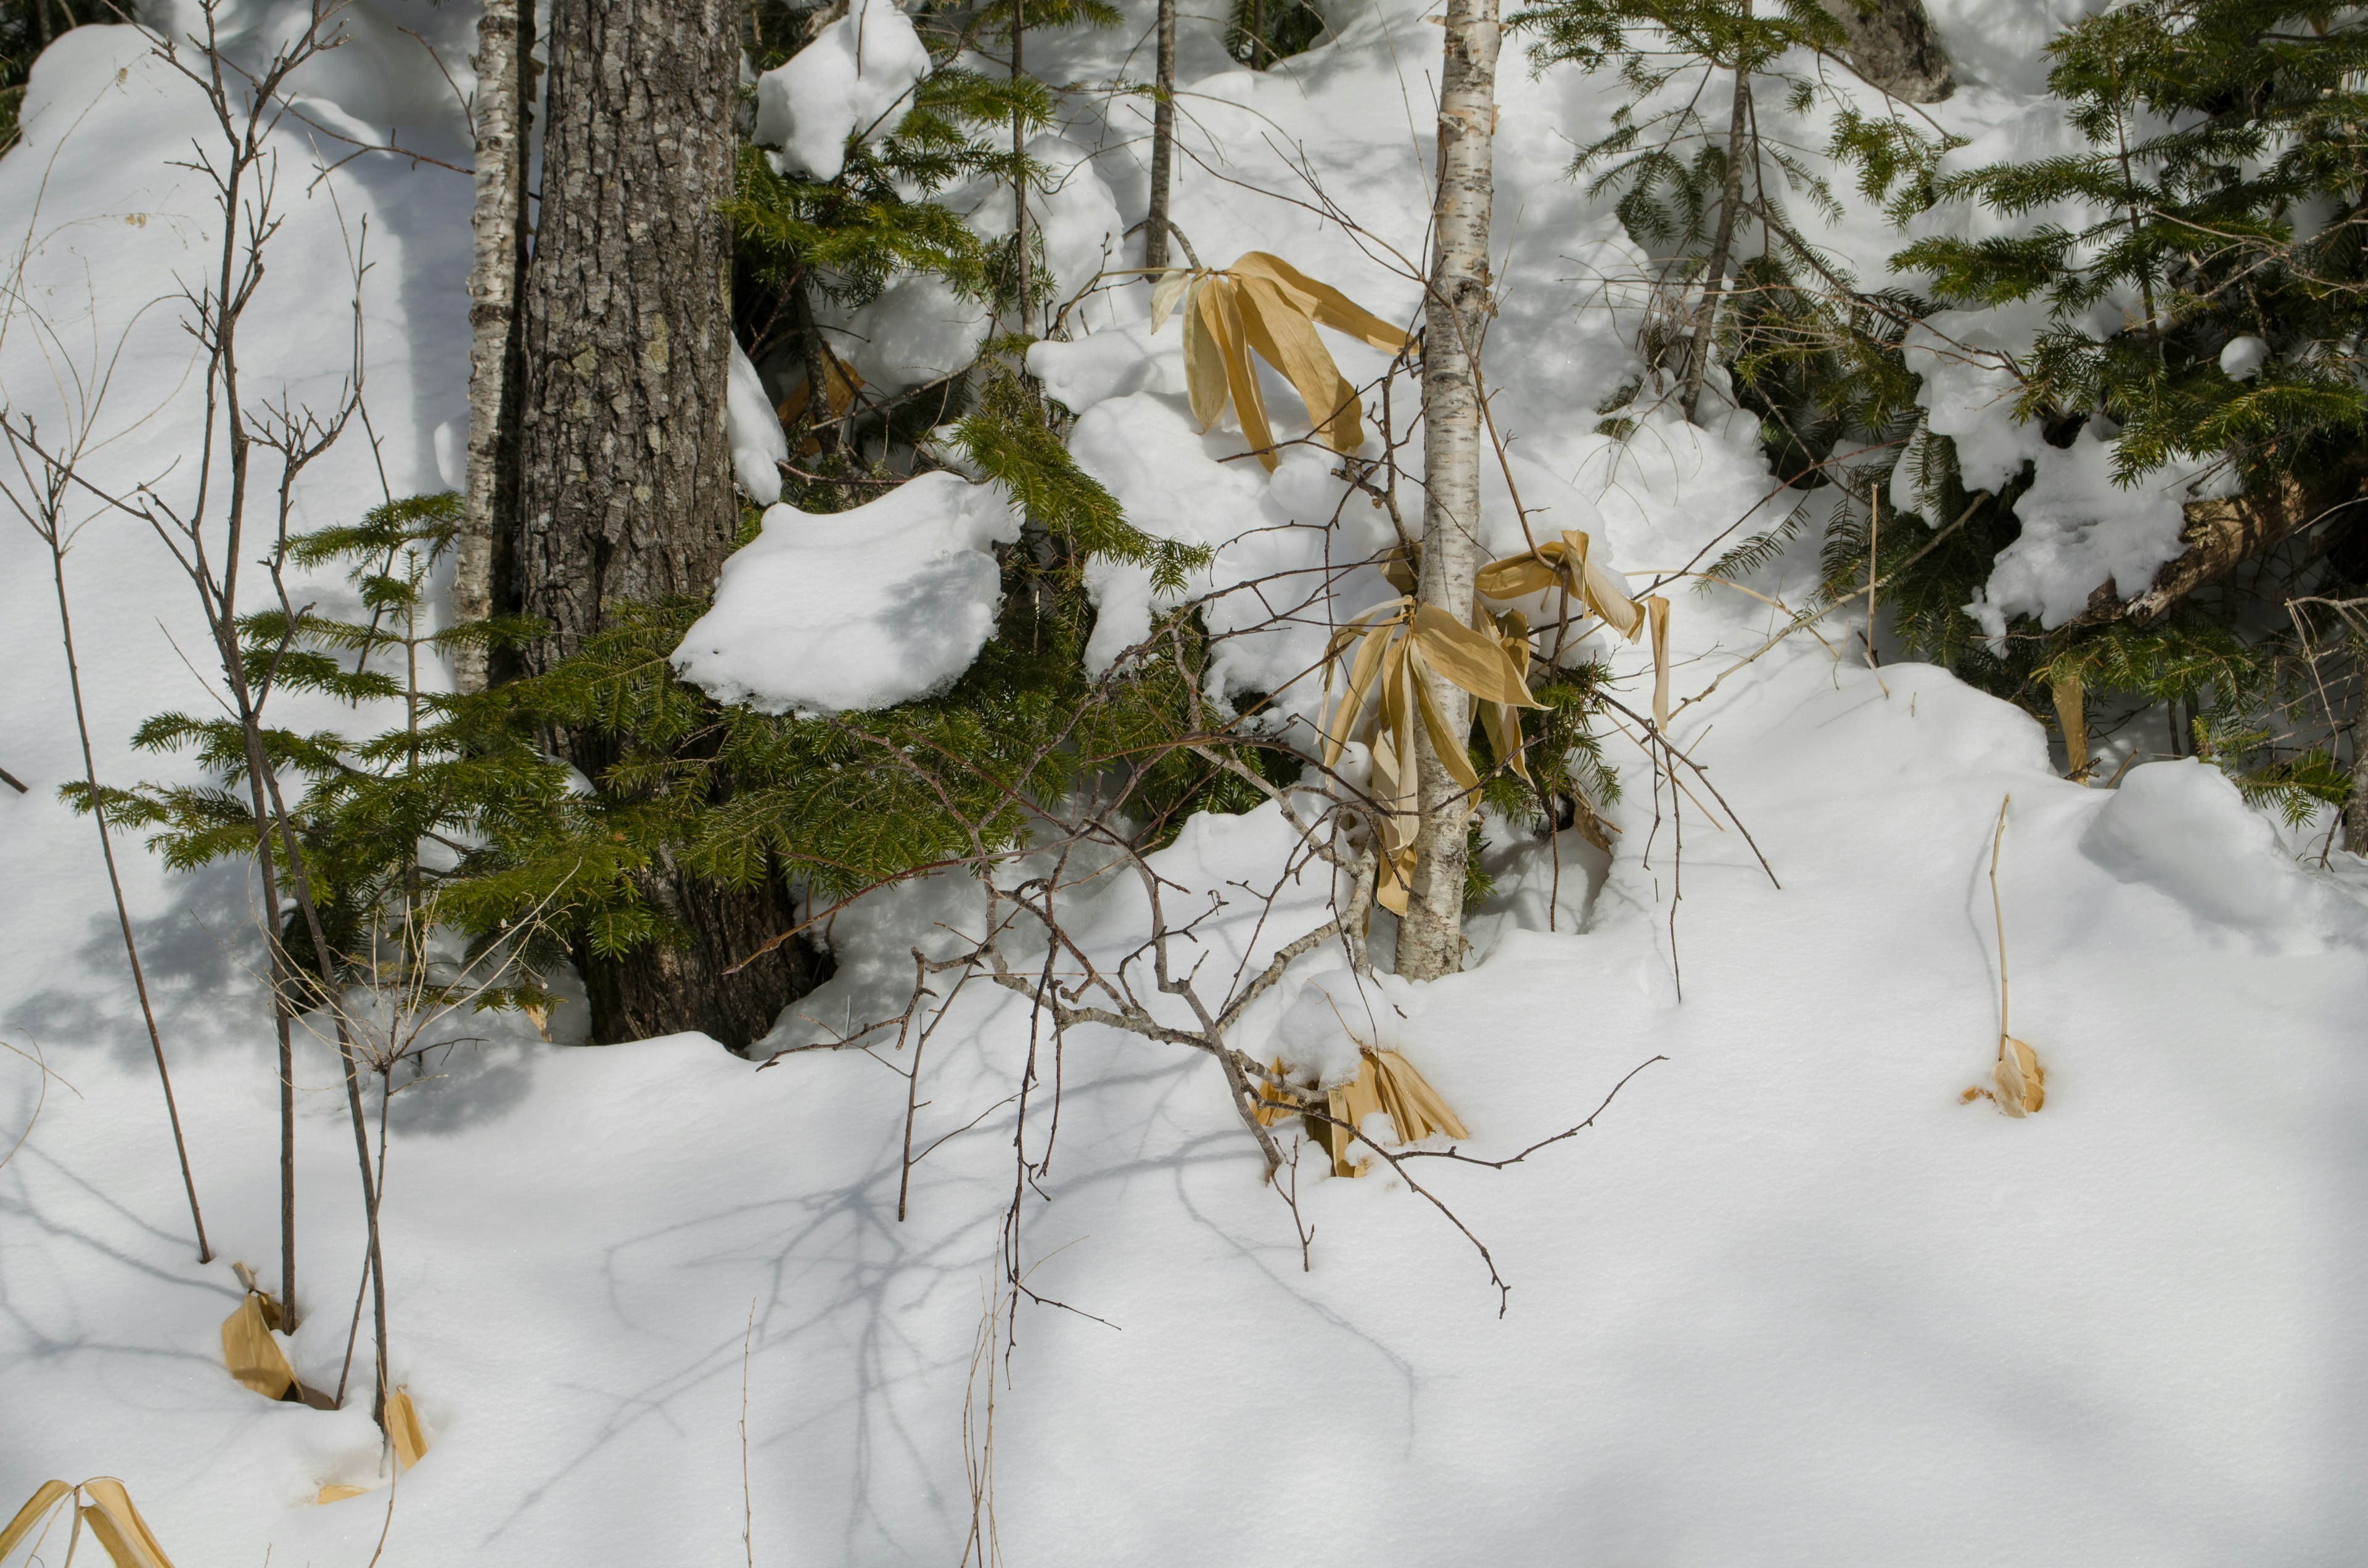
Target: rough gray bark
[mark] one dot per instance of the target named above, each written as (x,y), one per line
(1431,935)
(1163,139)
(1894,46)
(626,484)
(1722,245)
(625,487)
(505,74)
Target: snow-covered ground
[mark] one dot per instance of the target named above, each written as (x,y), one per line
(1789,1300)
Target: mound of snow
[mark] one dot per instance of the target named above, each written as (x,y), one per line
(2181,827)
(853,78)
(857,610)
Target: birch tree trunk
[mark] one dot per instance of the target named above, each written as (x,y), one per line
(625,481)
(505,73)
(1430,936)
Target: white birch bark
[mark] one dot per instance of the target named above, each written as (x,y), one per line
(499,111)
(1430,936)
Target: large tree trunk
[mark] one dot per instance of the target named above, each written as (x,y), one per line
(503,103)
(1431,935)
(625,487)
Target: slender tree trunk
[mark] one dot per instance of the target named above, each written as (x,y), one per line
(1019,181)
(115,882)
(1430,936)
(1721,243)
(1163,140)
(625,487)
(282,1019)
(503,112)
(2355,809)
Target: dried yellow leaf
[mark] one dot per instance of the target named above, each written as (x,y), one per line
(119,1525)
(403,1431)
(1502,724)
(1172,286)
(337,1491)
(2072,713)
(1444,743)
(2021,1081)
(1362,672)
(44,1498)
(838,376)
(1288,341)
(1388,1083)
(1656,610)
(108,1515)
(1221,302)
(1328,306)
(1518,576)
(1396,881)
(1350,1105)
(255,1357)
(1263,304)
(1415,1108)
(1472,660)
(1267,1111)
(1204,363)
(1395,776)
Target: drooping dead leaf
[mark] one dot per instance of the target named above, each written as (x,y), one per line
(108,1515)
(1470,660)
(1563,562)
(36,1507)
(2072,713)
(2021,1081)
(1501,722)
(1205,364)
(1398,646)
(841,384)
(1415,1108)
(1656,613)
(1267,1111)
(270,1303)
(403,1430)
(119,1525)
(841,379)
(1263,305)
(1325,303)
(1173,285)
(255,1357)
(1386,1082)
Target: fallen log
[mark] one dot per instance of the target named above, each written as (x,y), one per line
(2218,537)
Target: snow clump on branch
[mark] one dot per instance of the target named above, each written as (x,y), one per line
(854,77)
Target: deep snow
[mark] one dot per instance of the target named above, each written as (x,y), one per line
(1788,1302)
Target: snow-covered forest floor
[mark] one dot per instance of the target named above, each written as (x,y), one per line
(1789,1300)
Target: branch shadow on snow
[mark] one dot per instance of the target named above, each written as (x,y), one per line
(202,956)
